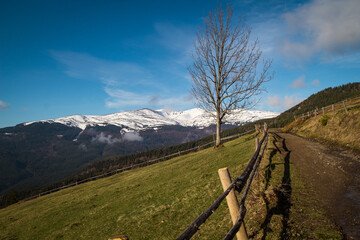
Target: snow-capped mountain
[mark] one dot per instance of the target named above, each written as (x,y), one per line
(149,119)
(45,151)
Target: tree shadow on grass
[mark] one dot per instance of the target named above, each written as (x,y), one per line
(282,193)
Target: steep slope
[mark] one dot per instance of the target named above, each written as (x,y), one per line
(318,100)
(159,202)
(337,127)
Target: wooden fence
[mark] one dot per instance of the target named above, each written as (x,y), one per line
(238,184)
(346,104)
(133,166)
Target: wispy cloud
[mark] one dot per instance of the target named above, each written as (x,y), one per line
(283,103)
(327,27)
(132,136)
(315,82)
(298,83)
(3,105)
(174,37)
(109,139)
(110,73)
(177,40)
(127,85)
(119,98)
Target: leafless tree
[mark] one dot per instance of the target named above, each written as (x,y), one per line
(227,69)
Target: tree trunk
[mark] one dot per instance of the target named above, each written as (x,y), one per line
(218,130)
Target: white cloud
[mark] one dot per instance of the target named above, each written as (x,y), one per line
(315,82)
(329,27)
(3,105)
(110,73)
(290,101)
(174,37)
(132,136)
(109,139)
(295,50)
(128,85)
(103,138)
(298,83)
(120,98)
(283,103)
(274,101)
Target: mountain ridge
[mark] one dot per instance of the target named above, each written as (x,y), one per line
(141,119)
(42,152)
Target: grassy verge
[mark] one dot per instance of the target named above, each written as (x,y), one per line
(281,206)
(154,202)
(337,129)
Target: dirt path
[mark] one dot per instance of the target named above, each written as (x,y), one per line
(334,175)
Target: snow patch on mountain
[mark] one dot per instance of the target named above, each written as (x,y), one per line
(150,119)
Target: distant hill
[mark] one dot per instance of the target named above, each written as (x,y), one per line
(44,152)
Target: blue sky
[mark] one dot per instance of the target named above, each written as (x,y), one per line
(60,57)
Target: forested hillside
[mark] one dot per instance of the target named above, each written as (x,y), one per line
(121,161)
(318,100)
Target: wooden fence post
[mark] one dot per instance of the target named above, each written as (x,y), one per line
(232,202)
(345,107)
(265,127)
(323,111)
(332,106)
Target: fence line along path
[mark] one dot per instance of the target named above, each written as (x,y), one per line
(238,184)
(345,104)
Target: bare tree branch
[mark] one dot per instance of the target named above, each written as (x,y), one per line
(227,69)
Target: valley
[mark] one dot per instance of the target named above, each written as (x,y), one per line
(44,152)
(186,120)
(304,189)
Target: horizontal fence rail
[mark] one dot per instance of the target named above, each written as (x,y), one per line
(345,104)
(231,234)
(146,163)
(238,184)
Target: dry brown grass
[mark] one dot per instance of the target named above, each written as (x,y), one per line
(342,128)
(280,206)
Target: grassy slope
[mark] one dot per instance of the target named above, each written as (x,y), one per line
(154,202)
(341,128)
(318,100)
(160,201)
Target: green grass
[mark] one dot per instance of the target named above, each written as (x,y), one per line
(161,200)
(154,202)
(324,120)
